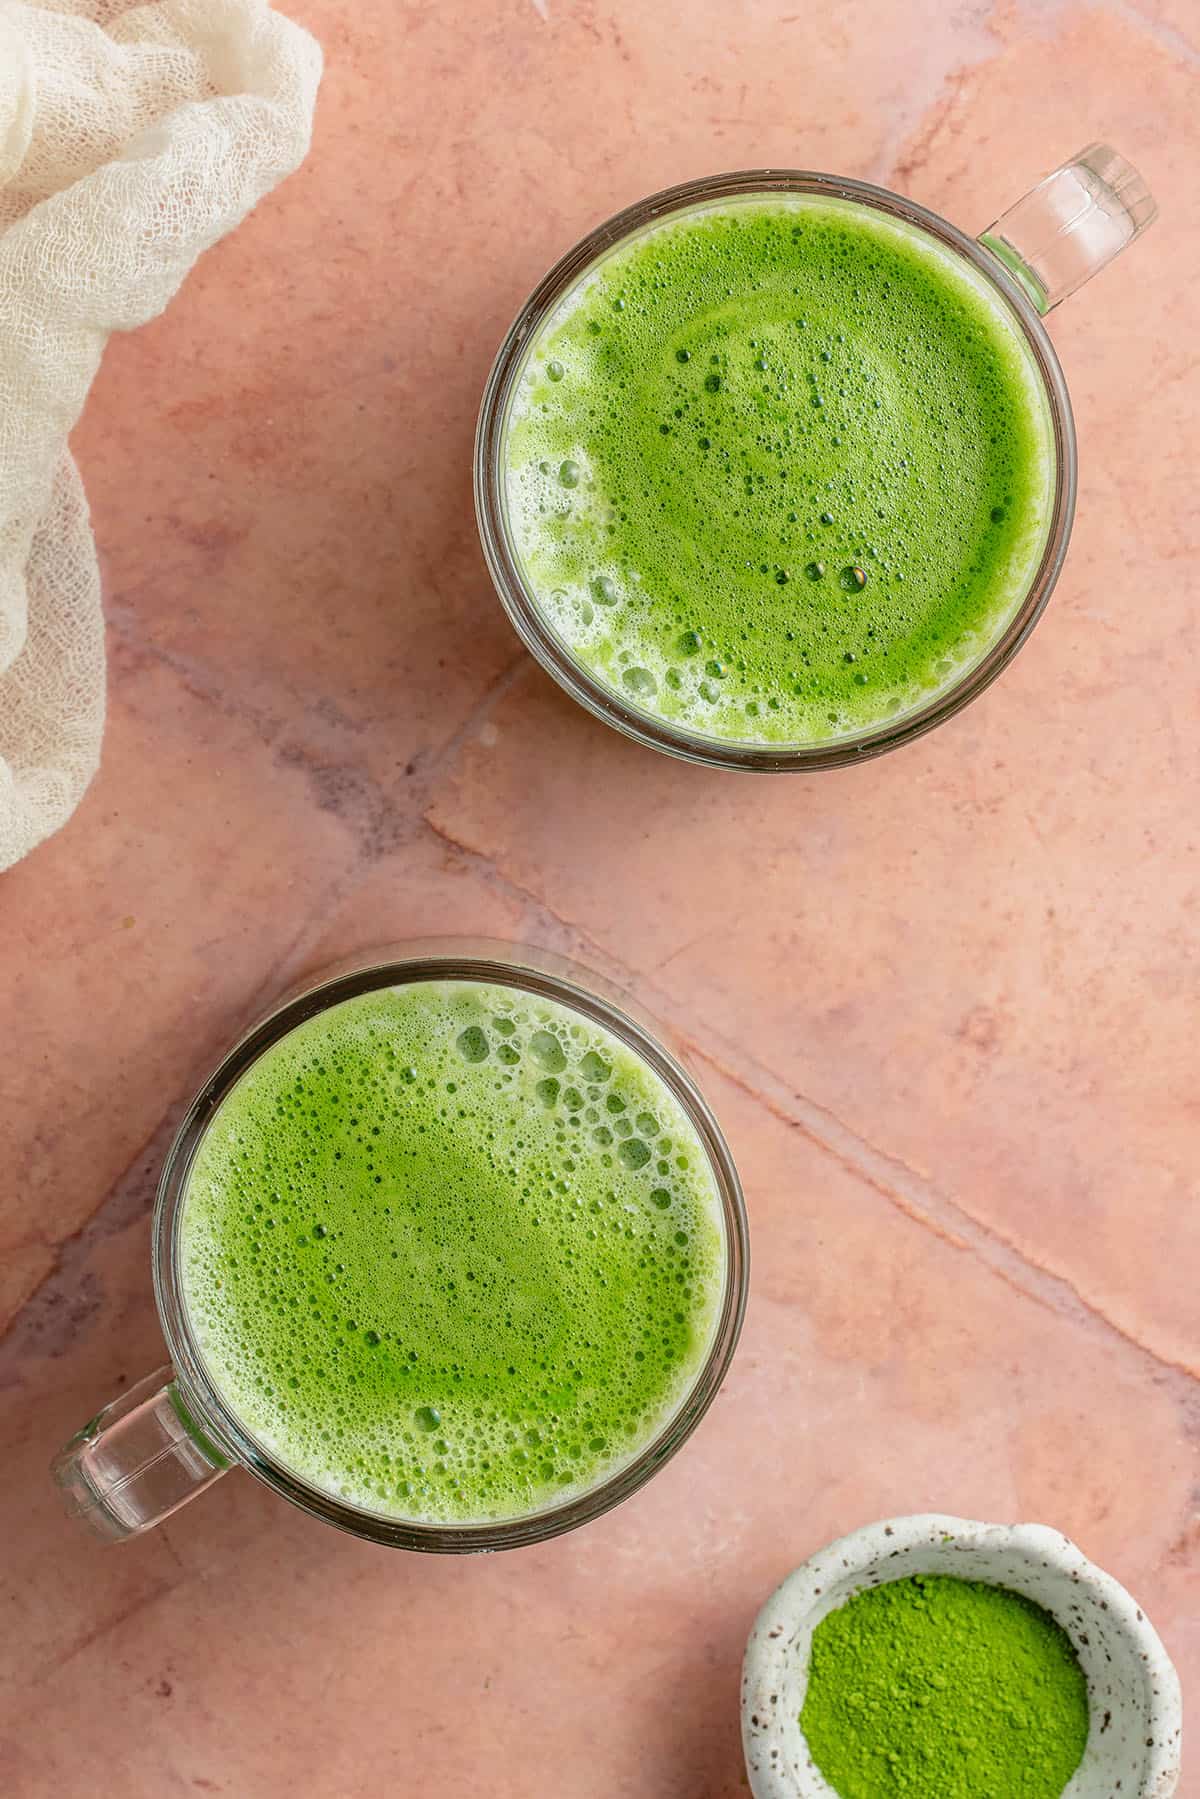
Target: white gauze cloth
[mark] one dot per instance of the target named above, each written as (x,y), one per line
(131,138)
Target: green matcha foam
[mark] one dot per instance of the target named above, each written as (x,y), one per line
(778,471)
(452,1252)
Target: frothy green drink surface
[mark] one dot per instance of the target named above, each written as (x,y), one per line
(451,1252)
(779,470)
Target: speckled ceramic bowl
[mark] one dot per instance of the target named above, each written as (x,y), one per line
(1136,1712)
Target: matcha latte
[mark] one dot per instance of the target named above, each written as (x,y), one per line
(778,470)
(452,1252)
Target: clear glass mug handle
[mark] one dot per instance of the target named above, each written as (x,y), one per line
(137,1461)
(1071,225)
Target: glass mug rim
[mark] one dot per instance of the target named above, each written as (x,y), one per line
(213,1422)
(503,563)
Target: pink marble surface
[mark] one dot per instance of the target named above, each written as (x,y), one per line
(945,1004)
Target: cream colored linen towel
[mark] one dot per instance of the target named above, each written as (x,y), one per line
(131,138)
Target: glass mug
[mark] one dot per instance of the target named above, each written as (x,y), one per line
(1047,245)
(173,1434)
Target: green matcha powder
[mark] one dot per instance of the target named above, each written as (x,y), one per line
(937,1688)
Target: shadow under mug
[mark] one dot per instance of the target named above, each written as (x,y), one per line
(1048,244)
(173,1434)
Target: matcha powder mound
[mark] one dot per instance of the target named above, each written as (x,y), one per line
(937,1688)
